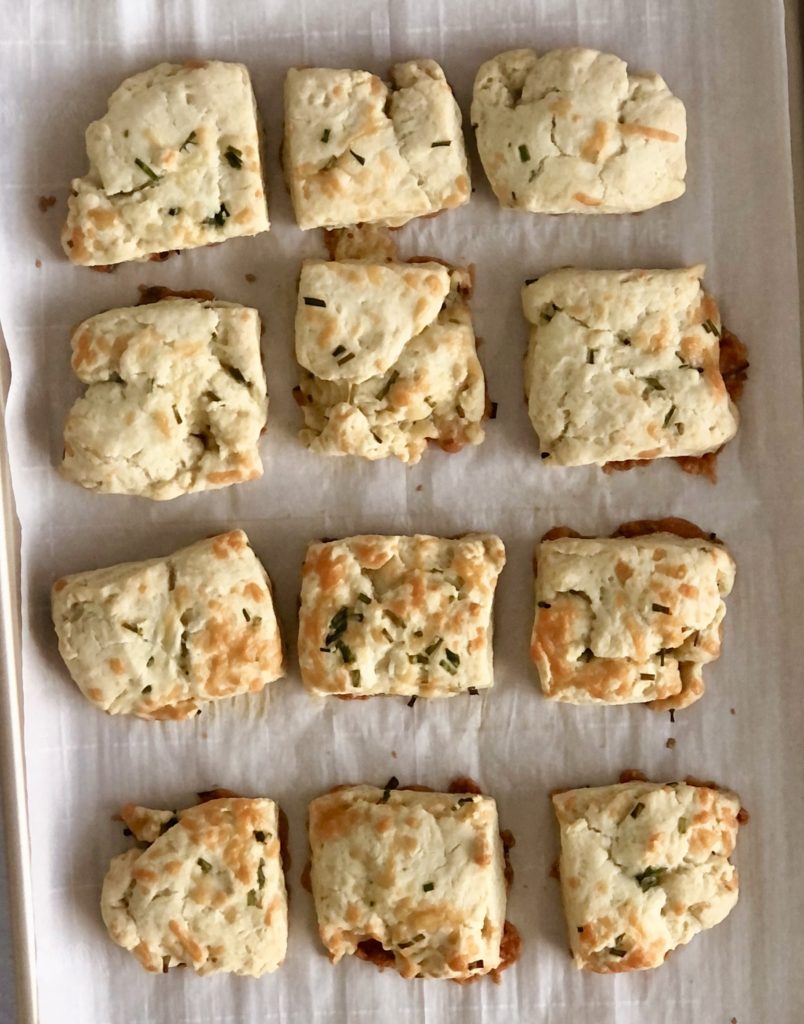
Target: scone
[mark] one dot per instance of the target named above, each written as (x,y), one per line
(399,615)
(358,151)
(388,359)
(644,867)
(573,131)
(624,620)
(625,365)
(409,879)
(207,891)
(176,399)
(160,639)
(174,163)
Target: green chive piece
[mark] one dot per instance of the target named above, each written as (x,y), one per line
(544,604)
(338,351)
(360,159)
(414,940)
(364,598)
(669,416)
(590,356)
(428,886)
(448,666)
(638,809)
(397,621)
(346,359)
(189,141)
(147,689)
(649,878)
(251,899)
(392,379)
(218,219)
(683,825)
(392,783)
(655,383)
(661,608)
(309,300)
(355,677)
(710,328)
(325,136)
(177,415)
(149,662)
(452,657)
(261,874)
(442,142)
(433,646)
(618,951)
(346,652)
(246,615)
(586,655)
(205,866)
(235,374)
(337,625)
(144,167)
(524,154)
(259,836)
(234,157)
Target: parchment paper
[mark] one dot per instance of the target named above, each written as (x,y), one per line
(726,59)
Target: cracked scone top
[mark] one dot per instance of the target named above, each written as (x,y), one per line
(388,359)
(208,892)
(418,874)
(573,131)
(176,399)
(160,639)
(624,364)
(174,164)
(644,867)
(399,615)
(623,620)
(357,151)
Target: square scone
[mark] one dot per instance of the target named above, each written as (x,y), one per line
(388,358)
(359,151)
(623,620)
(625,365)
(409,879)
(205,889)
(644,867)
(176,399)
(573,131)
(174,163)
(409,616)
(160,639)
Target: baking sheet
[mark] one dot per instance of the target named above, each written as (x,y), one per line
(726,59)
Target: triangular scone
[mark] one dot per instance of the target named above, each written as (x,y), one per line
(174,164)
(388,358)
(573,131)
(176,399)
(644,867)
(208,892)
(160,639)
(356,151)
(625,364)
(628,619)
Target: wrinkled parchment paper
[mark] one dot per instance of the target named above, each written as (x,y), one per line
(726,59)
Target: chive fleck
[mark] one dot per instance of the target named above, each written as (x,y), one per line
(205,866)
(392,783)
(618,951)
(428,886)
(524,154)
(147,689)
(590,355)
(346,359)
(346,652)
(387,635)
(337,625)
(234,157)
(218,219)
(669,416)
(637,810)
(246,615)
(683,825)
(710,328)
(189,141)
(655,383)
(338,351)
(473,690)
(325,136)
(235,374)
(586,655)
(466,800)
(364,598)
(144,167)
(418,659)
(149,662)
(442,142)
(251,899)
(397,621)
(545,604)
(646,675)
(448,666)
(356,677)
(410,942)
(649,878)
(261,874)
(475,965)
(544,455)
(310,300)
(412,701)
(452,657)
(360,159)
(173,211)
(549,311)
(661,608)
(259,836)
(433,647)
(392,379)
(177,415)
